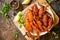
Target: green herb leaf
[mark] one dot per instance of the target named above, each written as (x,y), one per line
(22,23)
(16,35)
(50,1)
(20,15)
(56,36)
(54,33)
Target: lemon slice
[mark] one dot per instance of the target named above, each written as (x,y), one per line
(17,17)
(26,2)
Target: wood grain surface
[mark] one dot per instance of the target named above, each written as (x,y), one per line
(7,27)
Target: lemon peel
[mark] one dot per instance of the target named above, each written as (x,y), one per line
(26,2)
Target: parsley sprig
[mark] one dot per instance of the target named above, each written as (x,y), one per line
(5,9)
(16,35)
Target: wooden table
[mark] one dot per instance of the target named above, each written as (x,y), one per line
(7,27)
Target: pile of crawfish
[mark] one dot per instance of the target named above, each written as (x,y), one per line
(38,20)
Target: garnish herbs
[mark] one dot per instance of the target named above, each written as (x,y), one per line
(5,9)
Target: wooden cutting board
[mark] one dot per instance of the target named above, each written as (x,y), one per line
(56,21)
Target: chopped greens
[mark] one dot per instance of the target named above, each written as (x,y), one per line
(55,34)
(56,31)
(5,9)
(20,15)
(50,1)
(16,34)
(22,23)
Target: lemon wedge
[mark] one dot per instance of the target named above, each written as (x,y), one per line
(17,17)
(26,2)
